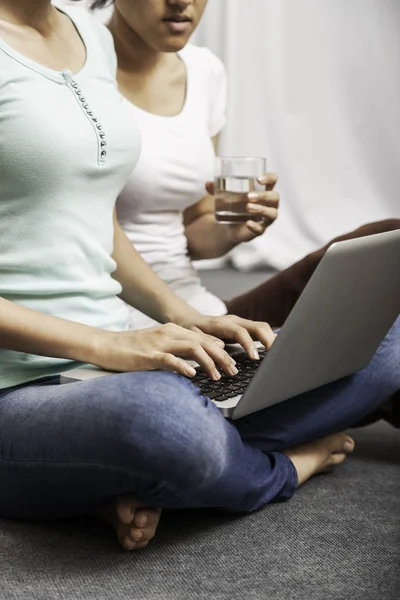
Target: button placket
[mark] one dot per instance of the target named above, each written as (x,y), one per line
(101,136)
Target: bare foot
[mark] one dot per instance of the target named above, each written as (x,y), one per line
(320,456)
(134,523)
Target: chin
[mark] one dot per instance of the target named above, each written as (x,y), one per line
(173,43)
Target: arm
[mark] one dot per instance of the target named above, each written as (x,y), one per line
(26,330)
(209,239)
(206,237)
(144,290)
(30,331)
(141,287)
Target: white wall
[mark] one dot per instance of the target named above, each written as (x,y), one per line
(315,87)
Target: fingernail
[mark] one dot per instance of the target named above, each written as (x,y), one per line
(254,354)
(190,371)
(251,206)
(233,371)
(233,361)
(252,195)
(216,375)
(138,535)
(143,521)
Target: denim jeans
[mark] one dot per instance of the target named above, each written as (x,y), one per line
(67,449)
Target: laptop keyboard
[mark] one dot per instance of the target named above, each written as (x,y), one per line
(229,387)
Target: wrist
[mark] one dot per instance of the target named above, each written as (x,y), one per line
(91,348)
(185,315)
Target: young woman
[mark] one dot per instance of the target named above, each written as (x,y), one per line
(177,95)
(120,447)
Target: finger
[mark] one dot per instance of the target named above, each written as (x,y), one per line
(222,359)
(176,332)
(195,351)
(265,198)
(241,335)
(210,188)
(256,228)
(269,180)
(259,331)
(170,362)
(268,214)
(211,338)
(209,356)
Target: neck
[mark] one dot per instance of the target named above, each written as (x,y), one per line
(38,13)
(134,55)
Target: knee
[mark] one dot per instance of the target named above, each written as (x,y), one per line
(385,365)
(389,350)
(164,419)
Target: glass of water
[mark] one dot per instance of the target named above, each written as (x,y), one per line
(235,177)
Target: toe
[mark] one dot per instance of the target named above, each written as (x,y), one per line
(147,517)
(339,443)
(126,508)
(337,458)
(349,444)
(128,544)
(141,545)
(144,534)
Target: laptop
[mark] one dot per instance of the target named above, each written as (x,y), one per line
(335,328)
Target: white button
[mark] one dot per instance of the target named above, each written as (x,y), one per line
(67,74)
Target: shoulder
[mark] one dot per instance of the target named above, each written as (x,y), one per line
(209,74)
(92,29)
(203,61)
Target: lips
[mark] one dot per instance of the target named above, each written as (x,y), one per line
(178,18)
(177,23)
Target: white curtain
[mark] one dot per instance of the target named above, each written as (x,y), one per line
(314,87)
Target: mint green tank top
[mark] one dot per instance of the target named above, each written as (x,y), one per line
(67,148)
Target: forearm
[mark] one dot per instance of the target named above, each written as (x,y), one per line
(207,238)
(142,288)
(31,331)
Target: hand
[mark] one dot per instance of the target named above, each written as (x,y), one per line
(234,329)
(162,347)
(263,205)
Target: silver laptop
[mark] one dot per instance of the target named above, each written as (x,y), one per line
(335,328)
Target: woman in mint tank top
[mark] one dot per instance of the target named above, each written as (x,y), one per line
(121,447)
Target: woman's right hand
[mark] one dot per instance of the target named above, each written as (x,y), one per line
(162,347)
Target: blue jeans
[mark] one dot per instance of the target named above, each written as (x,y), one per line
(67,449)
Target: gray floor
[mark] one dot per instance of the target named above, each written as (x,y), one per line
(338,538)
(228,283)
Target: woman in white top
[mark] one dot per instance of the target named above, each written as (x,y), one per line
(117,446)
(177,93)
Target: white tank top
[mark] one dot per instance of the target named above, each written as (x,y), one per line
(177,159)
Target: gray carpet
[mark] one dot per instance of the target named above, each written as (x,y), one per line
(338,538)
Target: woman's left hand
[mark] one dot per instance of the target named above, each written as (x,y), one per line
(233,329)
(263,205)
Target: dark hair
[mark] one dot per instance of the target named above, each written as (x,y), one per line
(100,3)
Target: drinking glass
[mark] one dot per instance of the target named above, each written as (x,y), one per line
(235,177)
